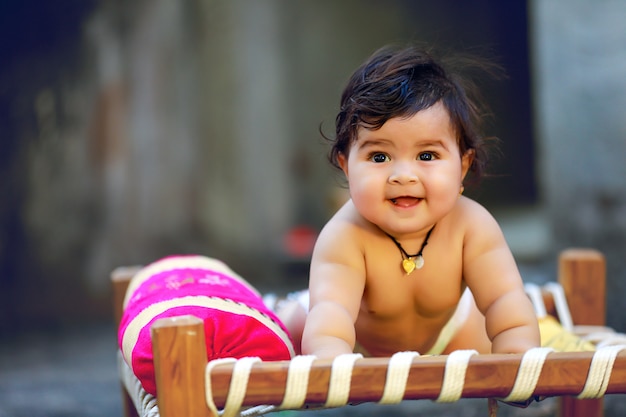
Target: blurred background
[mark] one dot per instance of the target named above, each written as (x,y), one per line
(132,130)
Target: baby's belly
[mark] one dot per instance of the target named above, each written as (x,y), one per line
(386,336)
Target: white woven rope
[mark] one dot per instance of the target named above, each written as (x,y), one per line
(454,375)
(600,371)
(608,339)
(560,304)
(145,404)
(600,336)
(297,381)
(340,377)
(295,389)
(528,374)
(397,375)
(395,385)
(258,410)
(534,293)
(210,402)
(238,386)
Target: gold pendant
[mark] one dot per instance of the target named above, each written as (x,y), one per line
(408,265)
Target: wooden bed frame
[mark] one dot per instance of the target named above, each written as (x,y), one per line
(181,360)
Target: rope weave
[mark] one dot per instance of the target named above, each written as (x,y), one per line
(560,304)
(340,378)
(397,375)
(297,381)
(145,403)
(607,339)
(534,293)
(207,382)
(600,371)
(528,374)
(399,366)
(239,384)
(454,375)
(456,365)
(601,336)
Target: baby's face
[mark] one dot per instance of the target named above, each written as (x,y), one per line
(405,176)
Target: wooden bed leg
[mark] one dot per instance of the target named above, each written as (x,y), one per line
(582,274)
(180,360)
(120,279)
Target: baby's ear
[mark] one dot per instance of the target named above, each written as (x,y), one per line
(466,162)
(342,160)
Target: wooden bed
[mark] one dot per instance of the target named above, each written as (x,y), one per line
(182,381)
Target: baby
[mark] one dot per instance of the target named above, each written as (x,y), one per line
(409,263)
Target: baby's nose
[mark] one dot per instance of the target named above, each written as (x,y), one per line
(403,173)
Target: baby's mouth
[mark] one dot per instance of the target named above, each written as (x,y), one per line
(405,201)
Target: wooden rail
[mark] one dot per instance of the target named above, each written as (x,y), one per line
(582,274)
(488,376)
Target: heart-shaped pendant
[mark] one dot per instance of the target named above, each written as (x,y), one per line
(408,265)
(419,262)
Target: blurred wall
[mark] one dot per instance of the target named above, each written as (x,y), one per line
(140,129)
(580,96)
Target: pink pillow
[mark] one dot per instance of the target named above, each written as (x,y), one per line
(236,322)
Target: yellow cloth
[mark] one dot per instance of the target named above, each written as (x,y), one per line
(555,336)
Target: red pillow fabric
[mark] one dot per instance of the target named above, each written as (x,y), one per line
(237,323)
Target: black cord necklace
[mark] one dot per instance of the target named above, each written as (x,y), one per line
(412,262)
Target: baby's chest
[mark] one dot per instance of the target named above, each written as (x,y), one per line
(429,291)
(420,292)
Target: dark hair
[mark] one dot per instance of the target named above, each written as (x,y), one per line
(399,82)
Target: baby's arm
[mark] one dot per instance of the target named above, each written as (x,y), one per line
(336,285)
(491,273)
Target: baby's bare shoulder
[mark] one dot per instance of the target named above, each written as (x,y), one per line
(481,230)
(470,215)
(471,208)
(344,232)
(346,223)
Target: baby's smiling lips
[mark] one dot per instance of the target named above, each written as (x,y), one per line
(405,201)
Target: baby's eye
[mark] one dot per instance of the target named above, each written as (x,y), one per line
(426,156)
(379,157)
